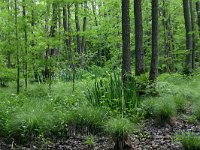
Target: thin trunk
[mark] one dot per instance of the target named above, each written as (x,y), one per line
(25,45)
(69,31)
(193,34)
(94,13)
(17,47)
(83,44)
(154,57)
(78,39)
(139,47)
(188,28)
(167,36)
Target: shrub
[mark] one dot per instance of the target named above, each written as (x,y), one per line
(196,110)
(90,141)
(148,107)
(32,120)
(189,140)
(86,118)
(181,103)
(6,75)
(107,92)
(192,119)
(164,110)
(119,128)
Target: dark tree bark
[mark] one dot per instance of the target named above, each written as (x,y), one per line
(83,43)
(126,55)
(17,47)
(51,51)
(198,14)
(188,28)
(139,47)
(168,36)
(78,39)
(193,34)
(67,26)
(25,45)
(154,57)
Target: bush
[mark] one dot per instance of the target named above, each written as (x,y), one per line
(164,110)
(189,140)
(107,93)
(90,141)
(148,107)
(181,103)
(192,119)
(85,119)
(6,75)
(196,110)
(32,120)
(119,128)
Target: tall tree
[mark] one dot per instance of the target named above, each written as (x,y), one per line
(78,39)
(198,14)
(25,45)
(139,48)
(83,43)
(188,28)
(17,46)
(193,34)
(168,35)
(154,56)
(126,54)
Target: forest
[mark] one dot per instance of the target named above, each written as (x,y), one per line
(100,74)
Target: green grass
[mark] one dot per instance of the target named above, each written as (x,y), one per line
(181,103)
(119,128)
(196,109)
(38,113)
(86,117)
(160,108)
(32,119)
(189,140)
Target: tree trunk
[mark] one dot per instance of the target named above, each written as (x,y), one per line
(167,36)
(139,47)
(94,13)
(126,54)
(25,45)
(193,34)
(188,28)
(83,37)
(154,57)
(17,46)
(78,39)
(198,15)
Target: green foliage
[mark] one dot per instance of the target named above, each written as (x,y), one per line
(163,109)
(196,109)
(109,92)
(86,117)
(191,119)
(189,140)
(180,102)
(119,128)
(6,75)
(90,140)
(148,107)
(32,119)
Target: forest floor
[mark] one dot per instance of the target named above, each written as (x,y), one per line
(33,110)
(151,137)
